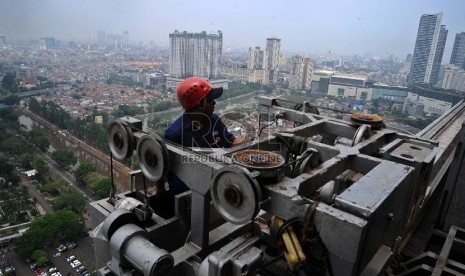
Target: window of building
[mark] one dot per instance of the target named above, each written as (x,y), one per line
(363,96)
(340,92)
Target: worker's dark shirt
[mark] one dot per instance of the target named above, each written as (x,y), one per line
(183,132)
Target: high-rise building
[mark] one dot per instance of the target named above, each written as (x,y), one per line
(47,43)
(125,39)
(257,59)
(101,37)
(301,73)
(273,54)
(257,65)
(2,40)
(195,54)
(454,78)
(429,48)
(458,51)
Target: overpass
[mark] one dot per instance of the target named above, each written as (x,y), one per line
(34,92)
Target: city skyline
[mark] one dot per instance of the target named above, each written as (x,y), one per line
(381,28)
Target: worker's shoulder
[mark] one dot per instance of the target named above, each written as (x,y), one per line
(174,131)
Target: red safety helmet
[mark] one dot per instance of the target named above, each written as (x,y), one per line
(194,89)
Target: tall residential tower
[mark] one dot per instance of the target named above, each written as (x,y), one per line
(301,73)
(458,51)
(273,54)
(429,48)
(195,54)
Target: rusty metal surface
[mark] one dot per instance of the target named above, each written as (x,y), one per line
(373,120)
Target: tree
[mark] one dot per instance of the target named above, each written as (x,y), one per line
(82,171)
(40,257)
(42,168)
(15,201)
(64,158)
(50,229)
(55,186)
(9,83)
(11,100)
(42,143)
(39,139)
(100,184)
(102,187)
(71,201)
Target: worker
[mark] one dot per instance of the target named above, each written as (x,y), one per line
(198,126)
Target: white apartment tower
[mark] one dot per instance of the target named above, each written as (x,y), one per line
(195,54)
(257,59)
(429,48)
(301,73)
(257,65)
(273,55)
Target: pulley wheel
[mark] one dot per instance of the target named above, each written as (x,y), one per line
(120,140)
(362,133)
(235,194)
(153,157)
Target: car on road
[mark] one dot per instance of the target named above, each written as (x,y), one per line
(58,254)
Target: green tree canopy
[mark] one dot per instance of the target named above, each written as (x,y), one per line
(71,201)
(40,257)
(39,139)
(82,171)
(100,184)
(42,168)
(102,187)
(9,82)
(15,201)
(64,158)
(56,186)
(49,230)
(11,100)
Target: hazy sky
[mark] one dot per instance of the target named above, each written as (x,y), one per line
(379,27)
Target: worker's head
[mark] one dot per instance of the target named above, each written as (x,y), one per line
(197,94)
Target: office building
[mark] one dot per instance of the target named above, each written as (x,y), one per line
(101,38)
(47,43)
(301,73)
(453,78)
(195,54)
(429,48)
(2,40)
(458,51)
(350,86)
(273,55)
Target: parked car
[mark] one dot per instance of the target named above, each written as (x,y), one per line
(70,258)
(71,245)
(80,269)
(52,269)
(75,264)
(61,248)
